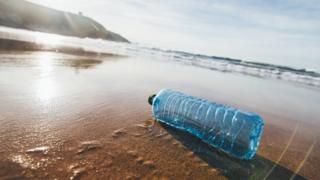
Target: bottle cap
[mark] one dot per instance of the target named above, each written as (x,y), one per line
(150,99)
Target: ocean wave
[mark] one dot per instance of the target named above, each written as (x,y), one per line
(223,64)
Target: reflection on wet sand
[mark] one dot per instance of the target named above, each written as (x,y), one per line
(47,60)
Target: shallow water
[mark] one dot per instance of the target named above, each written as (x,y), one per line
(65,116)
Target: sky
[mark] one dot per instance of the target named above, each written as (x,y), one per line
(276,31)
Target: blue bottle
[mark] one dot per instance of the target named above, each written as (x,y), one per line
(231,130)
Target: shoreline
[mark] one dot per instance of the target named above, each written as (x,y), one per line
(19,45)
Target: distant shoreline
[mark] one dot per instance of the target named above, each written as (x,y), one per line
(18,45)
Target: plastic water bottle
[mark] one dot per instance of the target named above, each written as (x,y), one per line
(228,129)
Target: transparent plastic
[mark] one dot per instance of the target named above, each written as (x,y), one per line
(231,130)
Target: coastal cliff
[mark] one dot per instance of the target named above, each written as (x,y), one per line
(22,14)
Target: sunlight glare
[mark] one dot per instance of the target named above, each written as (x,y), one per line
(46,86)
(47,39)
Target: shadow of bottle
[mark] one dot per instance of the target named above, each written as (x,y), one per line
(256,168)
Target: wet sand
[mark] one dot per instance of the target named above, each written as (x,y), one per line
(69,116)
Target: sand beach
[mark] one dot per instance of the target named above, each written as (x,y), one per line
(68,116)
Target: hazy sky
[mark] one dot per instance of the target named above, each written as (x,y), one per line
(269,30)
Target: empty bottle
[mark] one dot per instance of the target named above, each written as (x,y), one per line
(228,129)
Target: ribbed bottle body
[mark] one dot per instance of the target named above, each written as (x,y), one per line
(231,130)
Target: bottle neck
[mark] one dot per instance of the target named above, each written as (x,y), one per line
(150,99)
